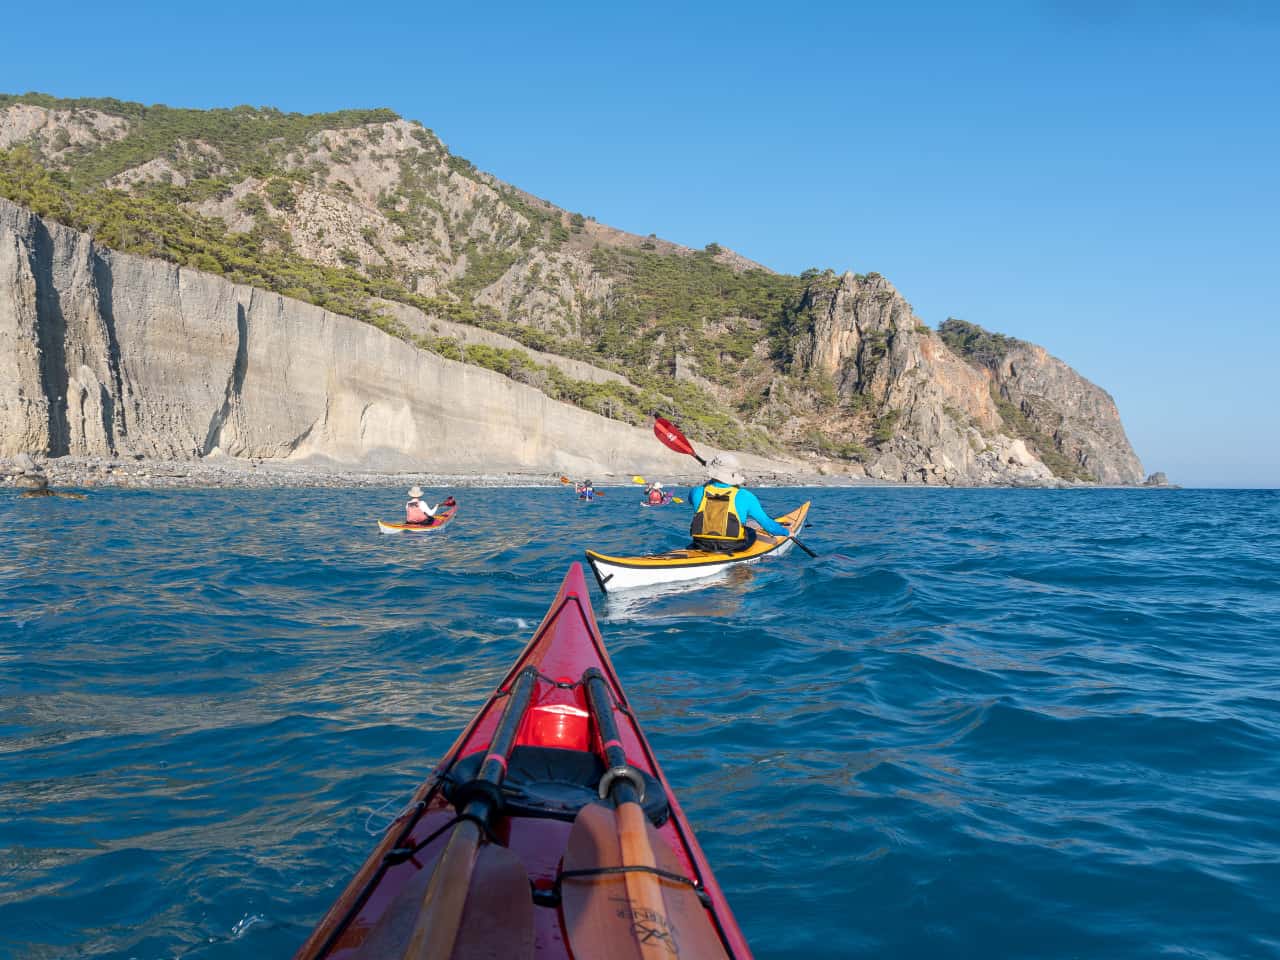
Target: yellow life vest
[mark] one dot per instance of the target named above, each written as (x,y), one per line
(717,516)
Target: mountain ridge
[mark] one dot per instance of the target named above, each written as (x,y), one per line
(371,216)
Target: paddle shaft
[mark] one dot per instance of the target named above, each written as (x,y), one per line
(494,768)
(796,541)
(615,756)
(643,889)
(435,933)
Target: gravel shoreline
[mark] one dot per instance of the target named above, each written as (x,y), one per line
(84,473)
(88,473)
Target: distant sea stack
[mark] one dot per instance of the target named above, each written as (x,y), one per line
(270,285)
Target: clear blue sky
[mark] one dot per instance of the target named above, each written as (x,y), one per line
(1102,177)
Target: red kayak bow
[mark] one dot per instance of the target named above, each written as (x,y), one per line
(548,830)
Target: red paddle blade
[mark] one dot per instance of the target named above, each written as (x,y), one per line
(670,435)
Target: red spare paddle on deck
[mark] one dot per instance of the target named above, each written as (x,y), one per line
(624,894)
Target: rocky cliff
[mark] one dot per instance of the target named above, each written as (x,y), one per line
(263,237)
(109,353)
(1073,424)
(928,415)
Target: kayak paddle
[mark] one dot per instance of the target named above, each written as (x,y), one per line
(477,898)
(670,435)
(624,893)
(796,541)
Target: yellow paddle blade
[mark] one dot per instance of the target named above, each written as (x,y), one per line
(637,479)
(677,500)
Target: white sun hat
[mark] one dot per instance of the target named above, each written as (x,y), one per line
(415,492)
(726,469)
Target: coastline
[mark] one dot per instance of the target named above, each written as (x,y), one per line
(222,472)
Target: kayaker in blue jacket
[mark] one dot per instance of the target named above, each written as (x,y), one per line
(722,508)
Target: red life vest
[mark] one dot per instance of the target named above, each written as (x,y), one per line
(413,512)
(655,496)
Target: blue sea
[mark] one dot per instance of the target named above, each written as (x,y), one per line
(984,723)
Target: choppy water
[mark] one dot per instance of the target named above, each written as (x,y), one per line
(986,724)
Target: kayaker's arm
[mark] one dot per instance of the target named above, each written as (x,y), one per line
(749,509)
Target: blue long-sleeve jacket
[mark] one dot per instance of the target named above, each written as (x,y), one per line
(748,508)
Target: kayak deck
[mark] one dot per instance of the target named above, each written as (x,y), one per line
(620,573)
(552,774)
(440,520)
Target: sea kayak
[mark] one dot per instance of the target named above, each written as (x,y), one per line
(628,573)
(548,830)
(438,521)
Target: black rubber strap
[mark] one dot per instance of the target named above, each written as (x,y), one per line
(398,855)
(614,871)
(559,684)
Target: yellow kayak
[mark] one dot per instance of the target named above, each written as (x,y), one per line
(438,521)
(626,573)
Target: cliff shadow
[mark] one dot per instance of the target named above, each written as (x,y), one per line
(113,407)
(235,383)
(51,334)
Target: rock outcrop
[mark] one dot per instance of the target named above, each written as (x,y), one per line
(936,420)
(1067,417)
(103,353)
(1080,417)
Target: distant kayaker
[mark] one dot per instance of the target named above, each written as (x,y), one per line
(656,496)
(418,510)
(722,508)
(586,491)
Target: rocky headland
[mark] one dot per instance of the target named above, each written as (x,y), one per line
(340,296)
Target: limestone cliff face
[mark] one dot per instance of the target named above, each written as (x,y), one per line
(935,416)
(1079,416)
(1072,422)
(109,353)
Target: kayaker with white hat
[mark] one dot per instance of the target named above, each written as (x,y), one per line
(656,495)
(418,510)
(722,506)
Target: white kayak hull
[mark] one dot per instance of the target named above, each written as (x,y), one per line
(616,574)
